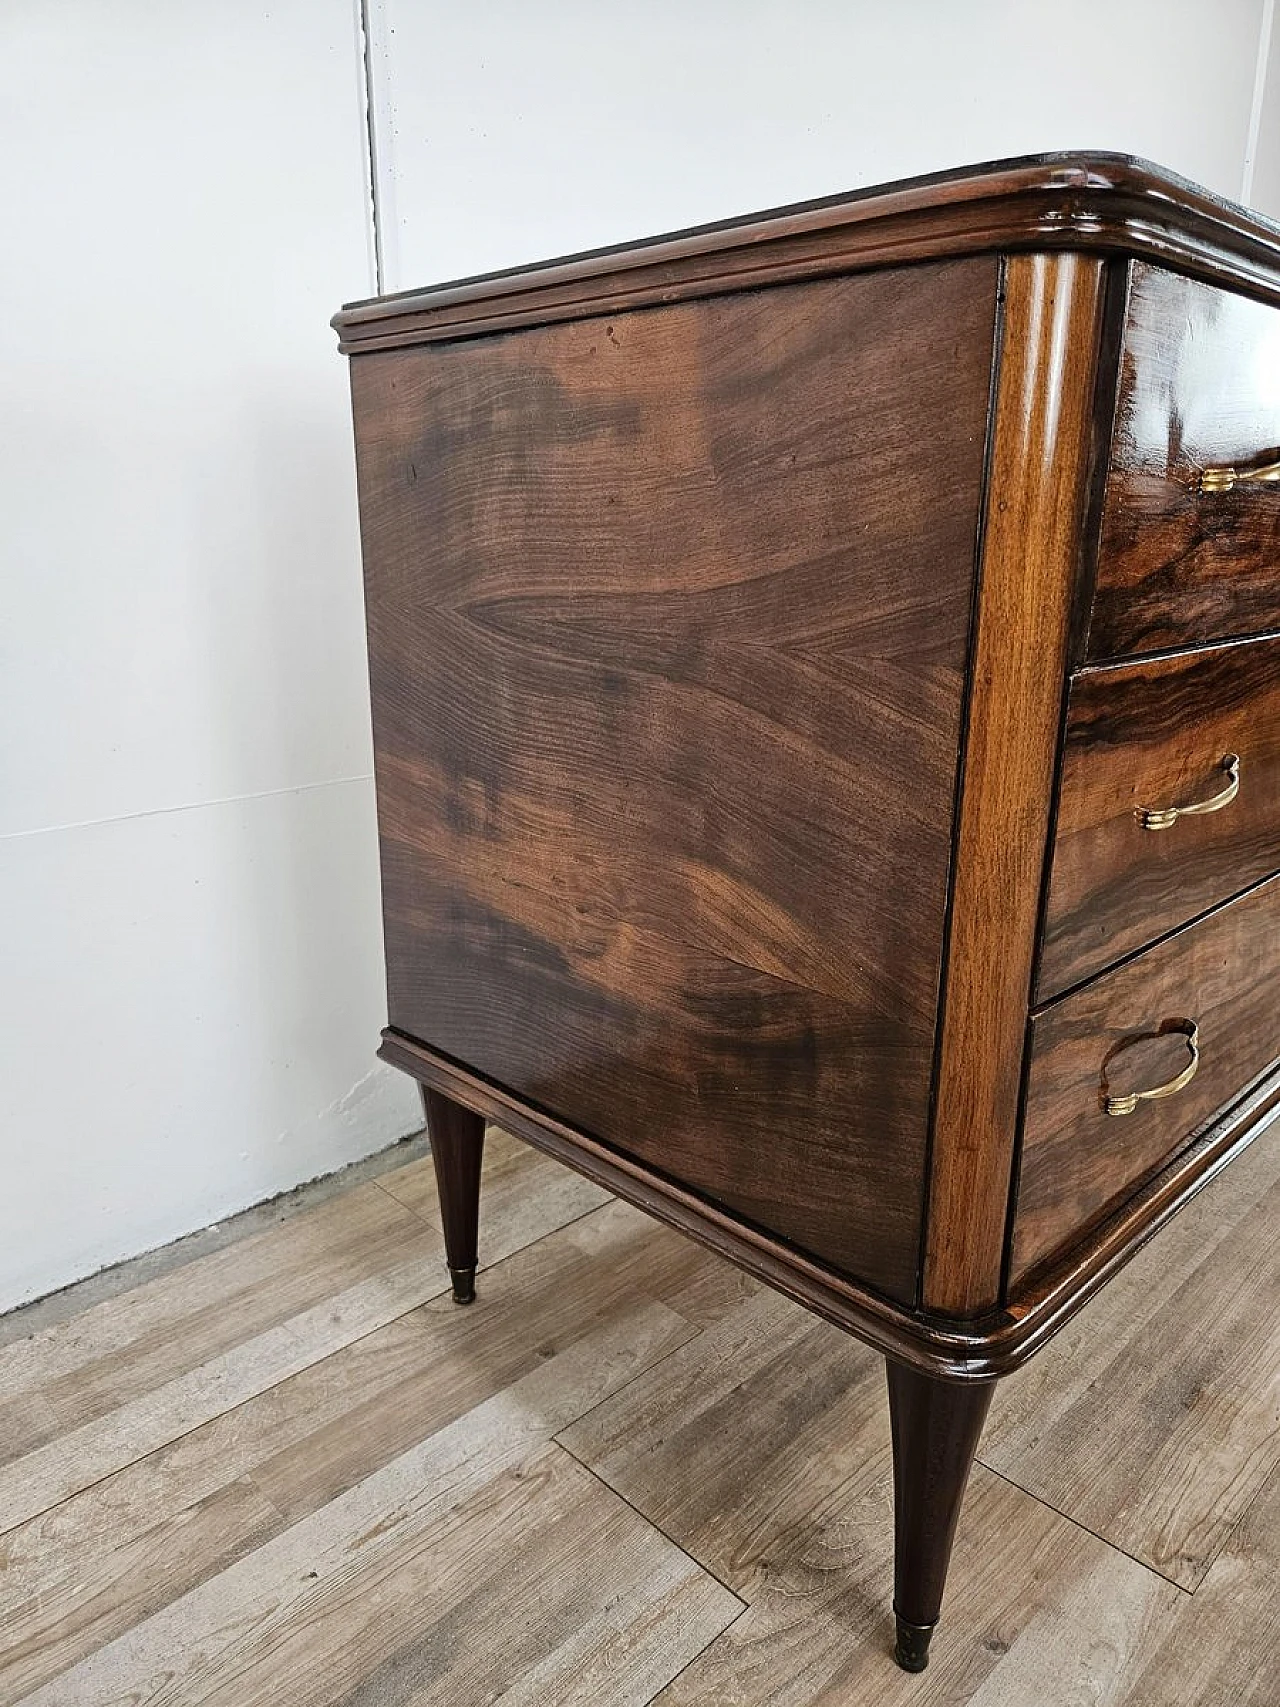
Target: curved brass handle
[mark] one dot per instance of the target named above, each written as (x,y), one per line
(1127,1104)
(1224,477)
(1165,817)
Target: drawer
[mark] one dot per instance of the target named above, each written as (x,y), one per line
(1078,1160)
(1199,391)
(1152,735)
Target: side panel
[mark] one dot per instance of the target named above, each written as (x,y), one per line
(668,616)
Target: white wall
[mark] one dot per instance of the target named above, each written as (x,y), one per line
(192,984)
(1262,172)
(516,129)
(192,980)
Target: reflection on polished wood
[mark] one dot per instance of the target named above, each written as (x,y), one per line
(1184,558)
(1158,730)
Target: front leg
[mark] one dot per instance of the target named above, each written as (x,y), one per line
(935,1426)
(457,1147)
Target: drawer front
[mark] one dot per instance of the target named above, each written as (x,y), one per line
(1078,1161)
(1199,391)
(1145,737)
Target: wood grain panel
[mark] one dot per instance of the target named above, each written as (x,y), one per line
(1039,464)
(667,622)
(1154,734)
(1199,388)
(1078,1161)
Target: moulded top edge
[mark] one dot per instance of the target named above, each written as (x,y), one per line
(1102,201)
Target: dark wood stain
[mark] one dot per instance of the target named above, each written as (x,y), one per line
(1079,1162)
(1200,388)
(981,1347)
(667,692)
(936,1426)
(1040,203)
(725,805)
(1151,734)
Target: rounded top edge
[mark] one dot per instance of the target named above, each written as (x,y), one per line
(1013,201)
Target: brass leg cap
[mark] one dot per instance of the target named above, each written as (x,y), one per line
(911,1650)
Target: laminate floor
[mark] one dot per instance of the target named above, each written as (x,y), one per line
(287,1469)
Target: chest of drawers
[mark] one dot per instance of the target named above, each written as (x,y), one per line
(826,697)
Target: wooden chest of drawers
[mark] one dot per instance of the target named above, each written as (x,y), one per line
(826,702)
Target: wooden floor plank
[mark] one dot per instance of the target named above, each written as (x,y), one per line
(1153,1419)
(69,1588)
(536,1303)
(586,1601)
(698,1286)
(303,1617)
(762,1448)
(533,1498)
(796,1398)
(117,1552)
(75,1460)
(1038,1614)
(129,1345)
(1224,1649)
(139,1370)
(525,1194)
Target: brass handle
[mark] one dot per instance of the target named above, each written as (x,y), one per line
(1224,477)
(1165,817)
(1127,1104)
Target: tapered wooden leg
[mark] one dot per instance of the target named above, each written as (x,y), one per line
(935,1425)
(457,1147)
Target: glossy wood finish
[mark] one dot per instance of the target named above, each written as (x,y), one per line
(936,1427)
(994,1344)
(720,658)
(1078,1161)
(1149,734)
(1199,388)
(667,699)
(1041,203)
(1039,464)
(457,1151)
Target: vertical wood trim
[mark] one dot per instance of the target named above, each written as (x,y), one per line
(1040,459)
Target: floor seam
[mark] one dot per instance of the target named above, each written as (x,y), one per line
(645,1518)
(1076,1523)
(338,1351)
(706,1646)
(483,1267)
(205,1422)
(640,1374)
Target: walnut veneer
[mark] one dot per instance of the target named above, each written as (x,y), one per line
(788,642)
